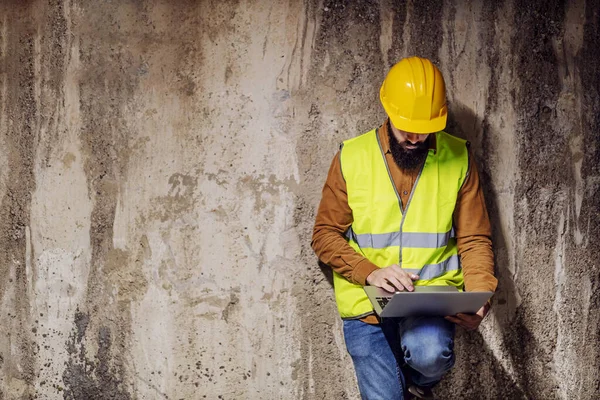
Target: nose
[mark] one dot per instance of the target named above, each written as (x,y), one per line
(413,138)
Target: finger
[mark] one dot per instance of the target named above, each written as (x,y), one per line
(394,281)
(406,281)
(467,322)
(385,285)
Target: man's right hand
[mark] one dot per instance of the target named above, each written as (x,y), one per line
(392,278)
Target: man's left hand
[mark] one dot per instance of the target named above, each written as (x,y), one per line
(470,321)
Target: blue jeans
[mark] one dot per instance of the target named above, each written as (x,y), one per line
(418,348)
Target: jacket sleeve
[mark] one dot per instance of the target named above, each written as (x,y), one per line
(333,219)
(473,234)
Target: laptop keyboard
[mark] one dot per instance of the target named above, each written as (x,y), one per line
(382,301)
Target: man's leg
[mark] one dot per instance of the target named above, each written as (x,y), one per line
(428,347)
(376,367)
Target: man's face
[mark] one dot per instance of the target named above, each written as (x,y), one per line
(409,150)
(408,140)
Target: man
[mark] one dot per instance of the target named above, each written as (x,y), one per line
(403,206)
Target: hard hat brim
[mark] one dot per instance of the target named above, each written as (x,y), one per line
(420,127)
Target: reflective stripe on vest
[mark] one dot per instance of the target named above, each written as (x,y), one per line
(408,239)
(419,238)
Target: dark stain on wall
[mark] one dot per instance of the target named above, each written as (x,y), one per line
(348,36)
(585,256)
(398,11)
(53,60)
(105,93)
(97,378)
(542,158)
(541,25)
(18,63)
(426,34)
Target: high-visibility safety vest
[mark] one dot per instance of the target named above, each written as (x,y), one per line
(418,237)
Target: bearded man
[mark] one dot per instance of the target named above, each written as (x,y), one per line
(403,206)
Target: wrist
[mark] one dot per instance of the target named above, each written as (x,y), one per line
(369,278)
(363,271)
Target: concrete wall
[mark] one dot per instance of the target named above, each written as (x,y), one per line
(161,163)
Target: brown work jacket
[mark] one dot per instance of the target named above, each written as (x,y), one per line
(471,223)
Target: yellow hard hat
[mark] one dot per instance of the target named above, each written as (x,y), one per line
(413,95)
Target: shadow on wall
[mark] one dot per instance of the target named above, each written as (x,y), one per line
(464,123)
(479,374)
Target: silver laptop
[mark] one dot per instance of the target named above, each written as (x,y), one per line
(425,301)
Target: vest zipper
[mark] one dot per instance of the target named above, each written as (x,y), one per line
(402,211)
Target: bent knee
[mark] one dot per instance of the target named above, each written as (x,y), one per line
(431,362)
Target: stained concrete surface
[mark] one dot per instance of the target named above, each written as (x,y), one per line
(161,163)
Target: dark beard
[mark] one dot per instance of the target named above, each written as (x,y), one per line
(408,159)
